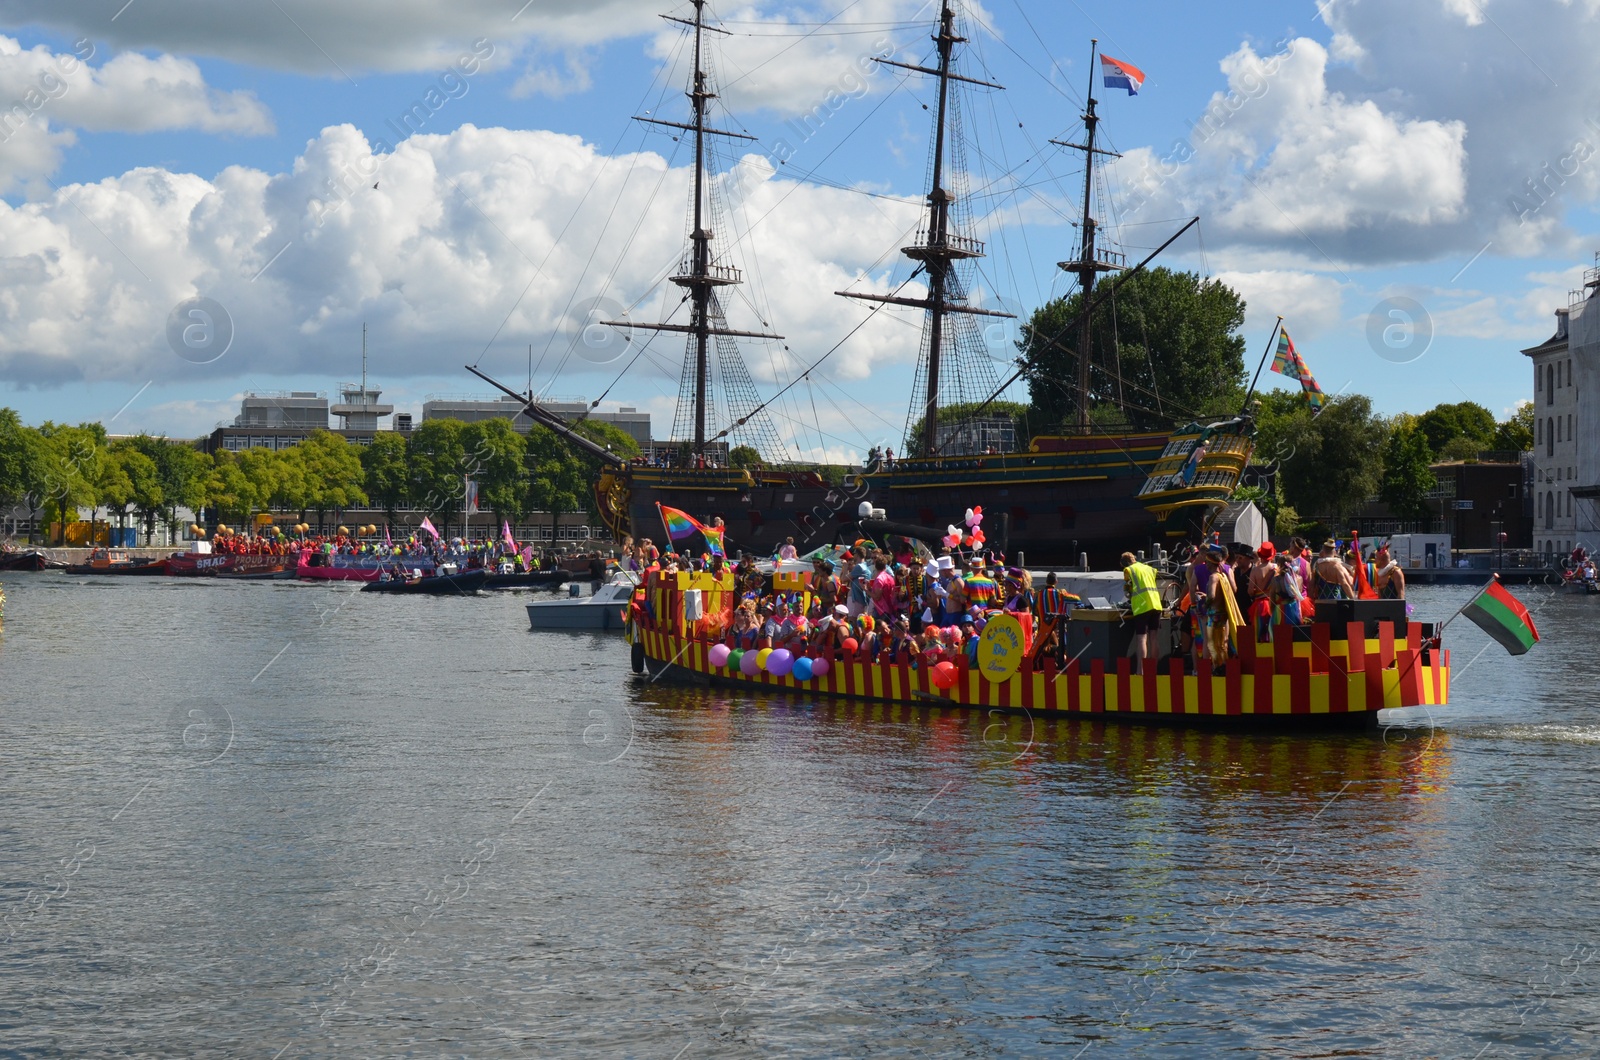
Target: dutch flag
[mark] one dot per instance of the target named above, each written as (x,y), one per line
(1119,74)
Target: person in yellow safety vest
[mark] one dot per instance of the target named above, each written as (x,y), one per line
(1144,600)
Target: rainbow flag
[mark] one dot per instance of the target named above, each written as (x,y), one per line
(714,539)
(1288,362)
(679,524)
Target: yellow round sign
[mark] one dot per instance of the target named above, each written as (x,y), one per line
(1000,648)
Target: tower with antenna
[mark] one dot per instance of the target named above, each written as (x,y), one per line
(358,408)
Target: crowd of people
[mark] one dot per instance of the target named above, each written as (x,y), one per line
(896,604)
(1276,588)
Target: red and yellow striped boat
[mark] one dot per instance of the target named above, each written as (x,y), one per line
(1317,674)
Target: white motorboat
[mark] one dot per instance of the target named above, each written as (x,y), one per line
(602,612)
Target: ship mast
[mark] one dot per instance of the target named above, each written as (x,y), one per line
(698,272)
(1089,262)
(937,249)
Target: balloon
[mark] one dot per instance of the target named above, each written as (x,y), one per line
(749,663)
(974,516)
(780,662)
(850,645)
(802,669)
(735,658)
(820,667)
(761,658)
(943,675)
(718,655)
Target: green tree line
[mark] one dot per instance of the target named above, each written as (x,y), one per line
(57,471)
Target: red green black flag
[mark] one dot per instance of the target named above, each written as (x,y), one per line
(1502,616)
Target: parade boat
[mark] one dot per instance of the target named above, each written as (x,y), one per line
(1361,657)
(341,566)
(536,579)
(116,561)
(1089,491)
(206,564)
(429,584)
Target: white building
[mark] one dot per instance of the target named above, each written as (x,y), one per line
(1566,434)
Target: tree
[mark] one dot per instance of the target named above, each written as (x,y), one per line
(1331,462)
(387,476)
(68,466)
(144,484)
(1164,349)
(614,438)
(1462,419)
(744,456)
(438,462)
(558,480)
(1407,477)
(238,486)
(497,460)
(1515,433)
(15,453)
(333,473)
(187,475)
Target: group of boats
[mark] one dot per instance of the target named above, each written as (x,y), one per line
(420,574)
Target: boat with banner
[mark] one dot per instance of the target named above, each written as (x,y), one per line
(196,563)
(1086,491)
(428,584)
(1357,658)
(318,565)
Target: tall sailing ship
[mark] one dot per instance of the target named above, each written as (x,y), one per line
(1068,494)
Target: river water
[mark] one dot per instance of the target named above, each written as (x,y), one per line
(273,819)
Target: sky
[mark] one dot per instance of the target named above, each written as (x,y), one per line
(1412,187)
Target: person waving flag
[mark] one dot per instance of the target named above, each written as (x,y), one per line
(1119,74)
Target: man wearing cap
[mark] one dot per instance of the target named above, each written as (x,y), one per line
(1144,602)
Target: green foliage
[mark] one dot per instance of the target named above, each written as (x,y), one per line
(1264,499)
(1287,523)
(1195,360)
(1328,463)
(438,459)
(1462,419)
(1406,475)
(497,461)
(1461,448)
(144,483)
(333,472)
(558,480)
(1515,434)
(744,456)
(386,473)
(16,453)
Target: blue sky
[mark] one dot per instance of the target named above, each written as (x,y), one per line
(1350,169)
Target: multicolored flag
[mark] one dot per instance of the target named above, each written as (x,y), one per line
(1502,616)
(1288,362)
(714,539)
(679,524)
(427,524)
(1119,74)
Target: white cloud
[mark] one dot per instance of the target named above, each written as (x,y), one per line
(1309,303)
(44,95)
(465,231)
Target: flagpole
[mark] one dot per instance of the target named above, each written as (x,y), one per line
(1251,392)
(667,529)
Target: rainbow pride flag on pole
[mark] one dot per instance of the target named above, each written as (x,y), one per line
(1288,362)
(681,525)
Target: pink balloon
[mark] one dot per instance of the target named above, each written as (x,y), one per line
(718,656)
(748,665)
(819,667)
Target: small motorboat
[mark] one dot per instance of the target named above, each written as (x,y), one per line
(116,561)
(538,579)
(430,585)
(604,611)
